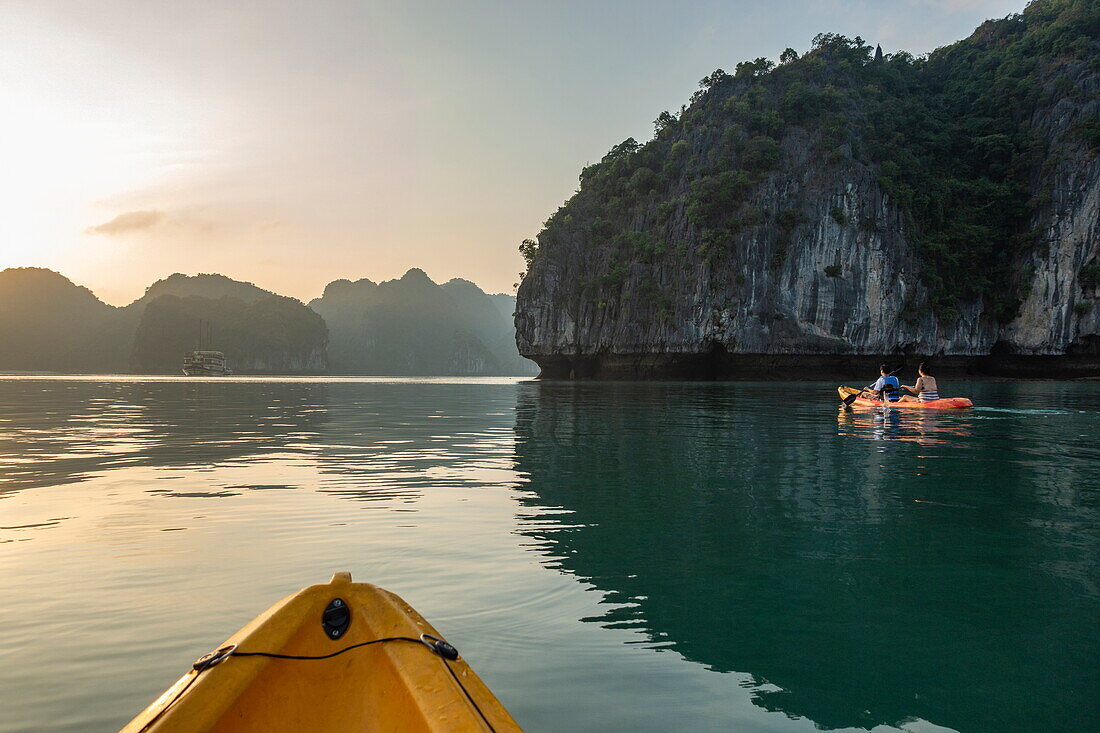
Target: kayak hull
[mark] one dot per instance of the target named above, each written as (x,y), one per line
(946,403)
(397,685)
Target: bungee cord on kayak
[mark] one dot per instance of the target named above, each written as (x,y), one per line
(441,647)
(300,629)
(212,659)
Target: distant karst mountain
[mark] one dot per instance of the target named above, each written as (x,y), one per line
(843,204)
(202,286)
(47,323)
(259,331)
(416,326)
(410,326)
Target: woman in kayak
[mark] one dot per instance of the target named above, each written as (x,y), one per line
(925,389)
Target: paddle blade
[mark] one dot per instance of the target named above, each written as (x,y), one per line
(850,398)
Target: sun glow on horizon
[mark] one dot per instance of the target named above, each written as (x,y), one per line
(83,132)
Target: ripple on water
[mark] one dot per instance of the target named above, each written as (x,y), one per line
(668,556)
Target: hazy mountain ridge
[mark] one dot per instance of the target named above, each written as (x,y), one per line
(415,326)
(203,285)
(270,334)
(407,326)
(48,323)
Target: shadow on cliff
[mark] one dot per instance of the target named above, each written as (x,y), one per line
(752,538)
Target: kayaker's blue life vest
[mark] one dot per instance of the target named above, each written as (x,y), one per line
(890,388)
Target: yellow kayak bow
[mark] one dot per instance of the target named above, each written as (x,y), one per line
(337,657)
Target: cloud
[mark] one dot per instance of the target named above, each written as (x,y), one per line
(131,221)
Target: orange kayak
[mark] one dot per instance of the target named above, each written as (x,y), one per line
(946,403)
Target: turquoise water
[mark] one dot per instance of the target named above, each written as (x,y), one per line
(651,556)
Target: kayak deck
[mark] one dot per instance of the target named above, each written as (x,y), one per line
(395,684)
(945,403)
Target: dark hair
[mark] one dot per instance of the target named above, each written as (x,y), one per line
(883,368)
(924,368)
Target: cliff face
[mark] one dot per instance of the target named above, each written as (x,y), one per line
(746,231)
(1061,313)
(418,327)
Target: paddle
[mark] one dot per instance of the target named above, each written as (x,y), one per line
(853,397)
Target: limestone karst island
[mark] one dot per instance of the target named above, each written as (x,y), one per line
(550,366)
(838,204)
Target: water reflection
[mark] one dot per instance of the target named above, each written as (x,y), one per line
(388,443)
(58,432)
(156,516)
(841,569)
(408,438)
(858,586)
(926,427)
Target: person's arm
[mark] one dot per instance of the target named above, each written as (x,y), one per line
(916,388)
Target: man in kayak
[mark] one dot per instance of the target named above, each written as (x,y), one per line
(887,388)
(926,389)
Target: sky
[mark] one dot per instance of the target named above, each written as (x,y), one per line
(290,144)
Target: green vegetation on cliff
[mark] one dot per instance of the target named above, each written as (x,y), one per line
(951,137)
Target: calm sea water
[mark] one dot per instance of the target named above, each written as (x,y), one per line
(651,556)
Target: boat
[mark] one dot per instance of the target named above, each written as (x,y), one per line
(336,656)
(204,361)
(205,364)
(945,403)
